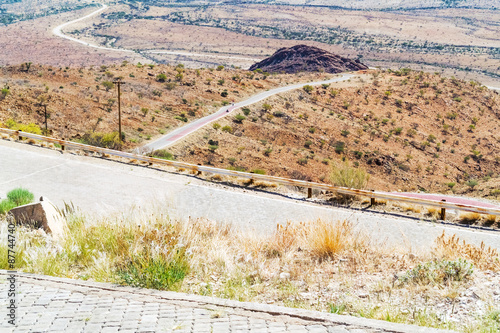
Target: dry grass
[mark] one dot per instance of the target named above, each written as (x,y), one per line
(433,212)
(327,260)
(469,217)
(452,248)
(412,208)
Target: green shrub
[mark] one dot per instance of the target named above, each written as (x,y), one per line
(216,126)
(346,176)
(308,88)
(20,196)
(471,183)
(438,272)
(105,140)
(227,128)
(246,111)
(239,118)
(155,273)
(258,171)
(161,77)
(163,154)
(5,206)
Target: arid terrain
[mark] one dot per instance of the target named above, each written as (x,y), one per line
(155,98)
(410,130)
(431,36)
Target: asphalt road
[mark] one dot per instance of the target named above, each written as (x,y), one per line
(99,186)
(181,132)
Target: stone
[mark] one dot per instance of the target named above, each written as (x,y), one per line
(42,215)
(285,276)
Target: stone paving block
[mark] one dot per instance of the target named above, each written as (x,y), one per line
(337,329)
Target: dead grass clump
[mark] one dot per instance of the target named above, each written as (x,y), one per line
(452,248)
(326,239)
(433,212)
(469,217)
(490,220)
(283,240)
(216,178)
(264,184)
(412,208)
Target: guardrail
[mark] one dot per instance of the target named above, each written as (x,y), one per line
(284,181)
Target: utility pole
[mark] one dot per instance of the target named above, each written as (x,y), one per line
(43,104)
(118,82)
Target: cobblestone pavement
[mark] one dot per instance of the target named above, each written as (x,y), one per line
(48,304)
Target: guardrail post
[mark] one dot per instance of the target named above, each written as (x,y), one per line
(372,199)
(62,145)
(309,193)
(443,212)
(19,137)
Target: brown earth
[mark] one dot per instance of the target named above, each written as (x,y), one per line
(303,58)
(78,101)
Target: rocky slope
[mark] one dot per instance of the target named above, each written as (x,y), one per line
(303,58)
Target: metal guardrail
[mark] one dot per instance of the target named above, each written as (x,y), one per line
(257,177)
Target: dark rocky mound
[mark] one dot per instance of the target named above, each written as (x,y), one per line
(303,58)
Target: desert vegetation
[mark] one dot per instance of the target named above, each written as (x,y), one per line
(409,130)
(321,265)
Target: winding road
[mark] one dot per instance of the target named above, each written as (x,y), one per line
(181,132)
(58,32)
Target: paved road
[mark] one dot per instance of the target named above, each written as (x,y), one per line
(101,186)
(180,133)
(48,304)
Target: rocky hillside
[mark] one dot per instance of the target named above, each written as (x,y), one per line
(303,58)
(155,98)
(409,130)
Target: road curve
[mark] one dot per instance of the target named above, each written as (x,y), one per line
(181,132)
(58,32)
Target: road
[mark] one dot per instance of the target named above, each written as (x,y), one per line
(181,132)
(58,32)
(100,186)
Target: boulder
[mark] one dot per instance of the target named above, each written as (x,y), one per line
(43,215)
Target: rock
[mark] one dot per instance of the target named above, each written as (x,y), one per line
(42,215)
(363,295)
(285,276)
(306,58)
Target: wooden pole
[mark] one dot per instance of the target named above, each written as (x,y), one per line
(118,84)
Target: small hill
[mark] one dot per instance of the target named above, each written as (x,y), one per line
(303,58)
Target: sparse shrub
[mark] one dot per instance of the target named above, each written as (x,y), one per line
(155,272)
(450,185)
(163,154)
(108,85)
(258,171)
(439,272)
(161,77)
(302,161)
(346,176)
(339,147)
(227,129)
(105,140)
(239,118)
(308,144)
(308,88)
(246,111)
(471,183)
(216,126)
